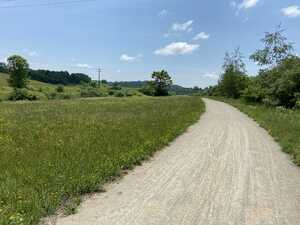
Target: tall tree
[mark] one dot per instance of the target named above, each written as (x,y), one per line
(162,82)
(18,69)
(233,80)
(276,49)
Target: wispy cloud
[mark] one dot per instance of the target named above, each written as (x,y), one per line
(202,36)
(32,53)
(291,11)
(84,66)
(3,59)
(243,5)
(181,27)
(177,48)
(127,58)
(212,76)
(163,13)
(247,4)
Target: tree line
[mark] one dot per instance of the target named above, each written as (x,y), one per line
(59,77)
(48,76)
(277,82)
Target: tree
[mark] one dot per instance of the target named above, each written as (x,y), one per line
(18,69)
(279,86)
(234,80)
(234,60)
(3,68)
(149,88)
(276,49)
(162,82)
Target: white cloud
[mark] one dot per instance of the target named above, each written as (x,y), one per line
(166,35)
(212,76)
(127,58)
(180,27)
(32,53)
(201,35)
(233,4)
(83,66)
(177,48)
(247,4)
(291,11)
(163,13)
(118,71)
(3,60)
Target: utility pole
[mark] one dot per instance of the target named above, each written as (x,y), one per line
(99,76)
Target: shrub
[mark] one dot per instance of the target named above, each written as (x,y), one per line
(130,93)
(52,95)
(278,86)
(297,105)
(148,89)
(94,84)
(56,95)
(22,94)
(90,92)
(65,96)
(60,88)
(111,92)
(116,87)
(119,94)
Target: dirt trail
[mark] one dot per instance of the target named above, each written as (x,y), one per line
(225,170)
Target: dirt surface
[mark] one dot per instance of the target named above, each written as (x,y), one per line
(225,170)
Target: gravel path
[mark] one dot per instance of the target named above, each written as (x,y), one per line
(225,170)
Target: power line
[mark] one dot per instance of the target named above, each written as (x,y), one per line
(44,4)
(99,75)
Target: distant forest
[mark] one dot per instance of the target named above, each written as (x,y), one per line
(65,78)
(176,89)
(53,77)
(59,77)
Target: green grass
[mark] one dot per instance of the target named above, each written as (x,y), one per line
(36,87)
(282,124)
(43,90)
(52,152)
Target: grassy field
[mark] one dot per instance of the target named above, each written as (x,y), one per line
(56,150)
(282,124)
(36,87)
(45,91)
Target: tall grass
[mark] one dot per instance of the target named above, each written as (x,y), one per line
(52,151)
(283,124)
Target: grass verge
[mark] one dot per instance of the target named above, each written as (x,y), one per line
(283,124)
(54,151)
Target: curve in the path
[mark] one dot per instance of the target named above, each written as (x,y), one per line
(225,170)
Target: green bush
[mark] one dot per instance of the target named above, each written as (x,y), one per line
(278,86)
(297,105)
(19,94)
(60,88)
(90,92)
(130,93)
(148,89)
(116,87)
(56,95)
(119,94)
(111,92)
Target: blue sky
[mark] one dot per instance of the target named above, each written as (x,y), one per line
(129,39)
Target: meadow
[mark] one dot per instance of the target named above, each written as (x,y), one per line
(283,124)
(54,151)
(45,91)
